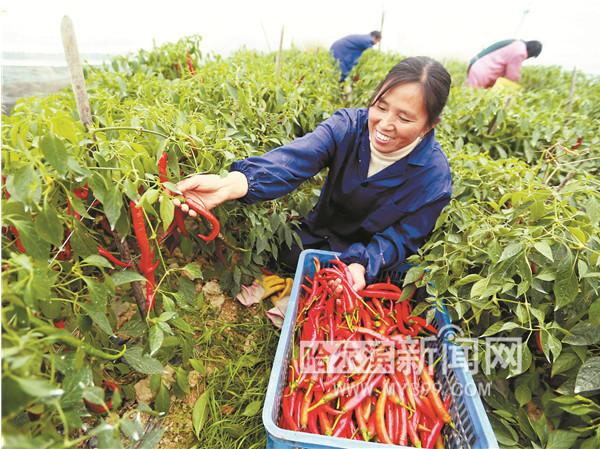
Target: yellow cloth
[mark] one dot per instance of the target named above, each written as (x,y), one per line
(506,85)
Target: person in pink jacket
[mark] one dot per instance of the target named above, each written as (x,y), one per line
(501,59)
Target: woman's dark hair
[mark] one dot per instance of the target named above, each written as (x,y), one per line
(534,48)
(430,74)
(376,34)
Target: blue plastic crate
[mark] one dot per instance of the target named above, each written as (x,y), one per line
(473,428)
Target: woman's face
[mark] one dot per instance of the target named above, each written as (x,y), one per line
(398,118)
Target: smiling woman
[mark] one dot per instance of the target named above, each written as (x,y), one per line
(388,178)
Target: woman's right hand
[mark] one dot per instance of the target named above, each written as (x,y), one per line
(209,191)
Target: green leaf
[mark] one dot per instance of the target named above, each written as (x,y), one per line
(544,249)
(38,388)
(167,210)
(565,362)
(149,197)
(125,277)
(468,279)
(55,153)
(182,379)
(561,439)
(162,400)
(48,226)
(34,245)
(523,394)
(193,271)
(99,318)
(108,437)
(200,412)
(413,275)
(510,251)
(113,204)
(141,362)
(155,339)
(94,394)
(97,261)
(198,365)
(583,334)
(24,185)
(499,327)
(566,284)
(252,409)
(554,344)
(594,312)
(588,377)
(152,439)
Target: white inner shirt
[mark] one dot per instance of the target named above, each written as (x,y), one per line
(380,160)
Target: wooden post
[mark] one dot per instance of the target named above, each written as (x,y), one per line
(76,71)
(381,29)
(278,59)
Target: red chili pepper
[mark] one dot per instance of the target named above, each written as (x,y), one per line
(578,143)
(426,408)
(390,421)
(343,425)
(382,433)
(362,423)
(81,192)
(371,425)
(383,294)
(195,206)
(305,406)
(384,286)
(422,322)
(325,423)
(434,396)
(147,267)
(178,70)
(363,393)
(60,324)
(433,435)
(402,439)
(102,409)
(107,254)
(190,64)
(179,221)
(18,243)
(412,429)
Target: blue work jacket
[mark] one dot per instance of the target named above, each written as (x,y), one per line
(376,221)
(347,51)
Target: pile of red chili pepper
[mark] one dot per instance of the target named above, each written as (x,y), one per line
(401,405)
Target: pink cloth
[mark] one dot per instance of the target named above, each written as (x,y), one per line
(505,62)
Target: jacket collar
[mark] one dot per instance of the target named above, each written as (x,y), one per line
(422,153)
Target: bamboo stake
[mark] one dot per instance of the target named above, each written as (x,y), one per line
(83,107)
(76,71)
(278,59)
(381,29)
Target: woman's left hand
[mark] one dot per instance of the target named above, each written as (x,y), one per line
(358,276)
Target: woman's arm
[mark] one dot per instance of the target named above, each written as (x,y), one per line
(274,174)
(390,247)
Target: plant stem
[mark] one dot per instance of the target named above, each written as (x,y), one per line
(128,128)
